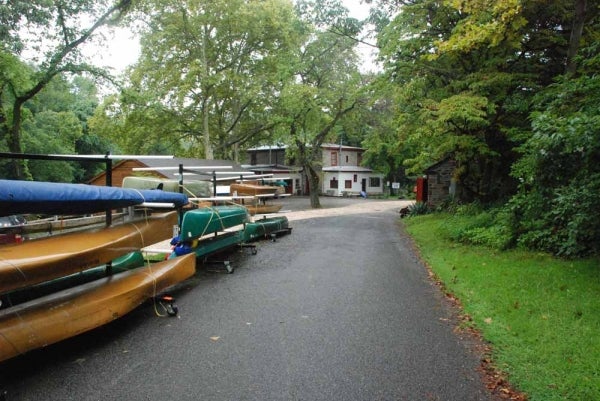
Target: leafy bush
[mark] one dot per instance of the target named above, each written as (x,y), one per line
(564,223)
(471,224)
(418,208)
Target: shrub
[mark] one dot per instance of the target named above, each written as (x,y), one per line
(418,208)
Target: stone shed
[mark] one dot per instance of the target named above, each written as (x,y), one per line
(441,183)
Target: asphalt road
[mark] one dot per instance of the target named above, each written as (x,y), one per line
(341,309)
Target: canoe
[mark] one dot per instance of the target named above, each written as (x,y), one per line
(67,313)
(123,263)
(265,227)
(44,259)
(210,245)
(199,222)
(191,188)
(245,188)
(31,197)
(263,209)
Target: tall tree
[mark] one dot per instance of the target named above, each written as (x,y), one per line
(210,71)
(469,71)
(325,89)
(56,52)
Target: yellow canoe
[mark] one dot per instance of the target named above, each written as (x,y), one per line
(40,260)
(47,320)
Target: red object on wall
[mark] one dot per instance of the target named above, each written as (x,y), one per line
(421,189)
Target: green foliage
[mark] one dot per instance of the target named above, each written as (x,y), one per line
(60,30)
(559,171)
(418,208)
(208,78)
(473,224)
(537,312)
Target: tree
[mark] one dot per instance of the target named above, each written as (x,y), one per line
(57,53)
(325,89)
(210,72)
(469,71)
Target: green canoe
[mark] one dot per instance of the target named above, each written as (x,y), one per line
(263,228)
(207,220)
(123,263)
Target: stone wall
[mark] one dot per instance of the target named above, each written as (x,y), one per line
(439,182)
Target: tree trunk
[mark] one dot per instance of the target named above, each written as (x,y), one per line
(14,141)
(313,187)
(576,32)
(208,150)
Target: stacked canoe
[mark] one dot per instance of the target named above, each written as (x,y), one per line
(56,287)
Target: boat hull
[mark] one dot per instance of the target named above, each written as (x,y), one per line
(252,189)
(61,315)
(199,222)
(45,259)
(126,262)
(191,188)
(263,209)
(23,197)
(264,227)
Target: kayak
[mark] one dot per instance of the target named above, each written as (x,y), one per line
(33,262)
(32,197)
(58,316)
(207,220)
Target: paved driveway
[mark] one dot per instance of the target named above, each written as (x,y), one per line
(341,309)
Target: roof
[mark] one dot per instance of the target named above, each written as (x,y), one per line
(433,167)
(347,169)
(338,146)
(219,165)
(164,167)
(271,168)
(283,147)
(268,147)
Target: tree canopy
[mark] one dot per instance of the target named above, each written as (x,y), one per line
(508,89)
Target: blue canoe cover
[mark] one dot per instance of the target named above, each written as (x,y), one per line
(22,197)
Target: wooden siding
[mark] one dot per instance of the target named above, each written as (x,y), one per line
(121,170)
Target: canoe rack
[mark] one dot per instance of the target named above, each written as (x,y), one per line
(225,265)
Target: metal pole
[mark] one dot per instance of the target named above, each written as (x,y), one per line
(214,183)
(108,184)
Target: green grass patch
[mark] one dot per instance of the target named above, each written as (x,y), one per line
(541,314)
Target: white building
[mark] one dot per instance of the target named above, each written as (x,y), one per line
(341,174)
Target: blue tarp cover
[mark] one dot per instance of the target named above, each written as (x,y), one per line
(23,197)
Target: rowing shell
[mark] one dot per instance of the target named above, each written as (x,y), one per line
(70,312)
(40,260)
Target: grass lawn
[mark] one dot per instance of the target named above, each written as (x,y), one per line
(540,314)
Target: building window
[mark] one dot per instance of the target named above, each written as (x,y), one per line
(348,184)
(334,159)
(355,178)
(333,184)
(346,158)
(358,159)
(374,182)
(253,158)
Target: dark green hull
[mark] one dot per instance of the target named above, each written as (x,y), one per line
(219,243)
(199,222)
(265,227)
